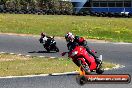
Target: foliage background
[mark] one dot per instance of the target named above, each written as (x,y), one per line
(35,4)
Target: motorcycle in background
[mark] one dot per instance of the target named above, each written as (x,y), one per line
(50,44)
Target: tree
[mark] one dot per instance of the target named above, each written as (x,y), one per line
(39,4)
(3,3)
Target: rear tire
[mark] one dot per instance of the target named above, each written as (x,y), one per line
(48,50)
(100,70)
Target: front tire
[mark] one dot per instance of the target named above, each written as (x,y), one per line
(56,49)
(84,67)
(81,80)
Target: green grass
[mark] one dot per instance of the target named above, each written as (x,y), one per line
(13,65)
(104,28)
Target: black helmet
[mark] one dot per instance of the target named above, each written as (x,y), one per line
(43,34)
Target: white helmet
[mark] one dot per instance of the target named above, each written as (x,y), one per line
(69,37)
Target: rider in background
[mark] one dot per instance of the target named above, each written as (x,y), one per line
(70,38)
(43,38)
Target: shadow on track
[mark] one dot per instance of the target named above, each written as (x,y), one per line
(41,52)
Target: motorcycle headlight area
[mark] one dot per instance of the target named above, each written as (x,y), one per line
(74,53)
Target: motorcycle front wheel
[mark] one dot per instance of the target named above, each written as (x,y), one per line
(84,67)
(81,80)
(56,49)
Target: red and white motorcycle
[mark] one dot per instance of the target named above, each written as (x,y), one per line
(86,62)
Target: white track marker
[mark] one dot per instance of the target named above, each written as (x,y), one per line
(12,53)
(66,73)
(41,56)
(26,76)
(28,55)
(19,54)
(107,69)
(52,57)
(122,43)
(2,52)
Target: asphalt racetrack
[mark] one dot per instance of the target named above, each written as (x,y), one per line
(120,53)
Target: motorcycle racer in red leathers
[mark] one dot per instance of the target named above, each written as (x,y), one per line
(70,38)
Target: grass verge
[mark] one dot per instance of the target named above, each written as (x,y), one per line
(14,65)
(102,28)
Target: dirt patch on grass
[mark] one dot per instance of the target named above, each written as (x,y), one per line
(8,57)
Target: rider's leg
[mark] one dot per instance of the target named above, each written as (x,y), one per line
(91,53)
(88,49)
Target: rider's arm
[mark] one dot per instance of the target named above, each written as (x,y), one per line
(85,43)
(68,46)
(41,40)
(48,36)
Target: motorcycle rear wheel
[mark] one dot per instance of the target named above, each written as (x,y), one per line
(48,50)
(100,70)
